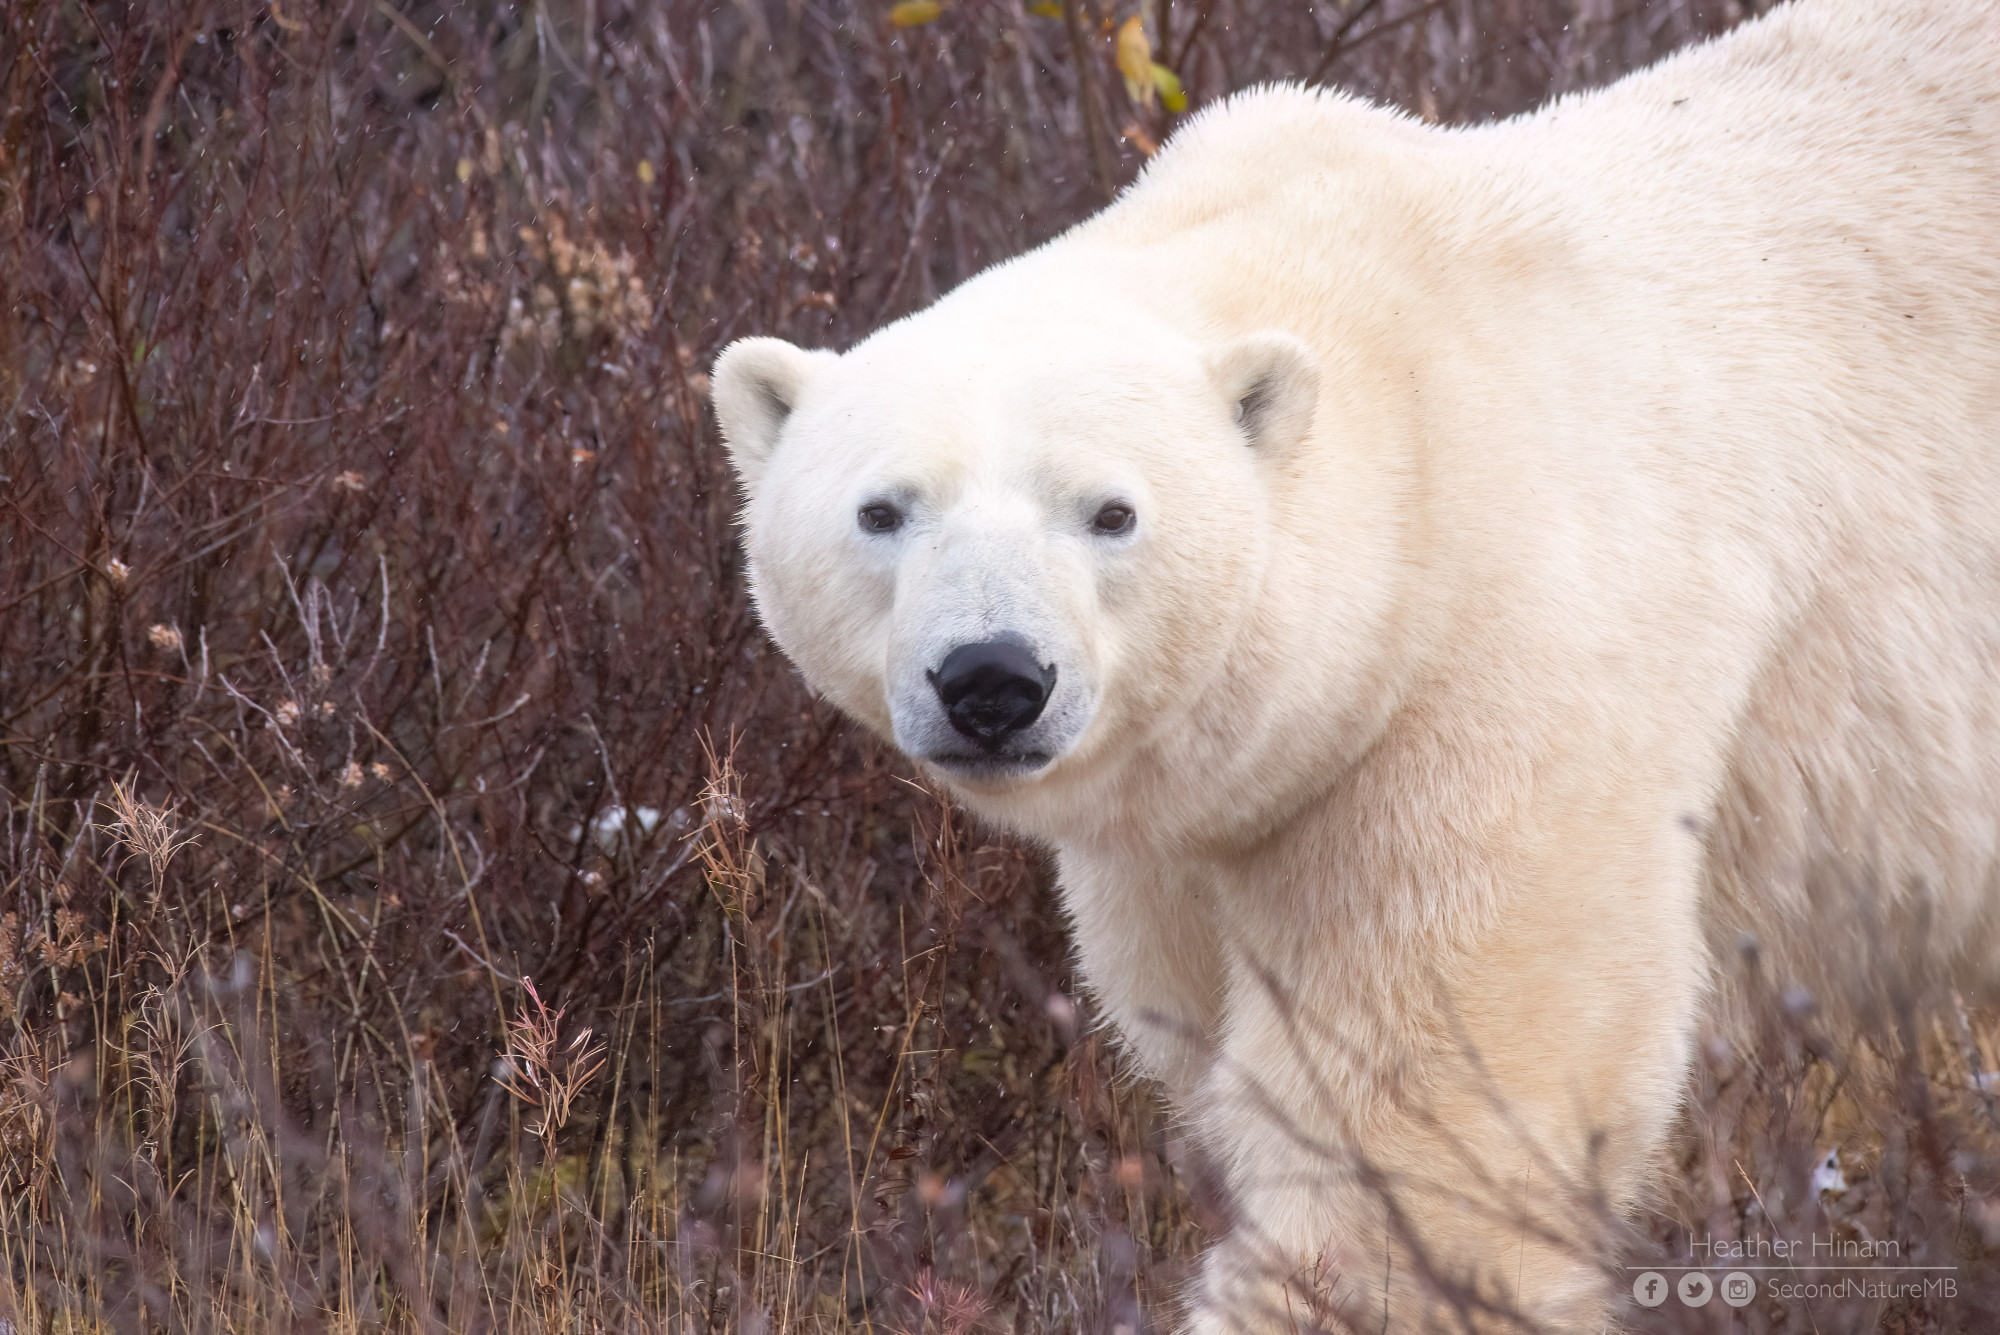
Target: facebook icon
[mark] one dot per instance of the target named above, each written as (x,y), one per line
(1650,1289)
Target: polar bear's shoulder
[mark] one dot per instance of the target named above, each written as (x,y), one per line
(1240,153)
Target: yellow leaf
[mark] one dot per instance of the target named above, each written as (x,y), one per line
(1047,9)
(911,13)
(646,171)
(1135,60)
(1172,96)
(464,170)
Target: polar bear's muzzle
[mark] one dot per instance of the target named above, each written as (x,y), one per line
(986,668)
(990,706)
(991,691)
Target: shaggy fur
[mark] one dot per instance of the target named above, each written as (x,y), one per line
(1556,542)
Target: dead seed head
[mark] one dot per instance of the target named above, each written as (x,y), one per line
(537,1069)
(149,831)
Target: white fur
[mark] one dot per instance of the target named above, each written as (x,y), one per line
(1624,545)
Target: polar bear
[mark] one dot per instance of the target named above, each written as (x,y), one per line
(1433,589)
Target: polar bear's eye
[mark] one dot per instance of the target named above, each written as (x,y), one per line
(880,518)
(1114,518)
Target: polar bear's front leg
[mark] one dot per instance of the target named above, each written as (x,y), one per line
(1448,1142)
(1406,1225)
(1147,944)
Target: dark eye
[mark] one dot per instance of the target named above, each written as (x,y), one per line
(880,518)
(1115,518)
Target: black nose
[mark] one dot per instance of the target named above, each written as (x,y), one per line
(993,690)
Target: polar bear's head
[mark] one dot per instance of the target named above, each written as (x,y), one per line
(1010,537)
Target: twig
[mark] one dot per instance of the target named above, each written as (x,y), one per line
(1086,96)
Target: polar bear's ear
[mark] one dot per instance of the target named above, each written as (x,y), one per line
(757,384)
(1271,385)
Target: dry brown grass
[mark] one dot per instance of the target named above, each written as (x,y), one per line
(426,902)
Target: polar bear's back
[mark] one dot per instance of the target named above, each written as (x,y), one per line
(1842,155)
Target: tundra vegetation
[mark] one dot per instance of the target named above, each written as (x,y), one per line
(427,903)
